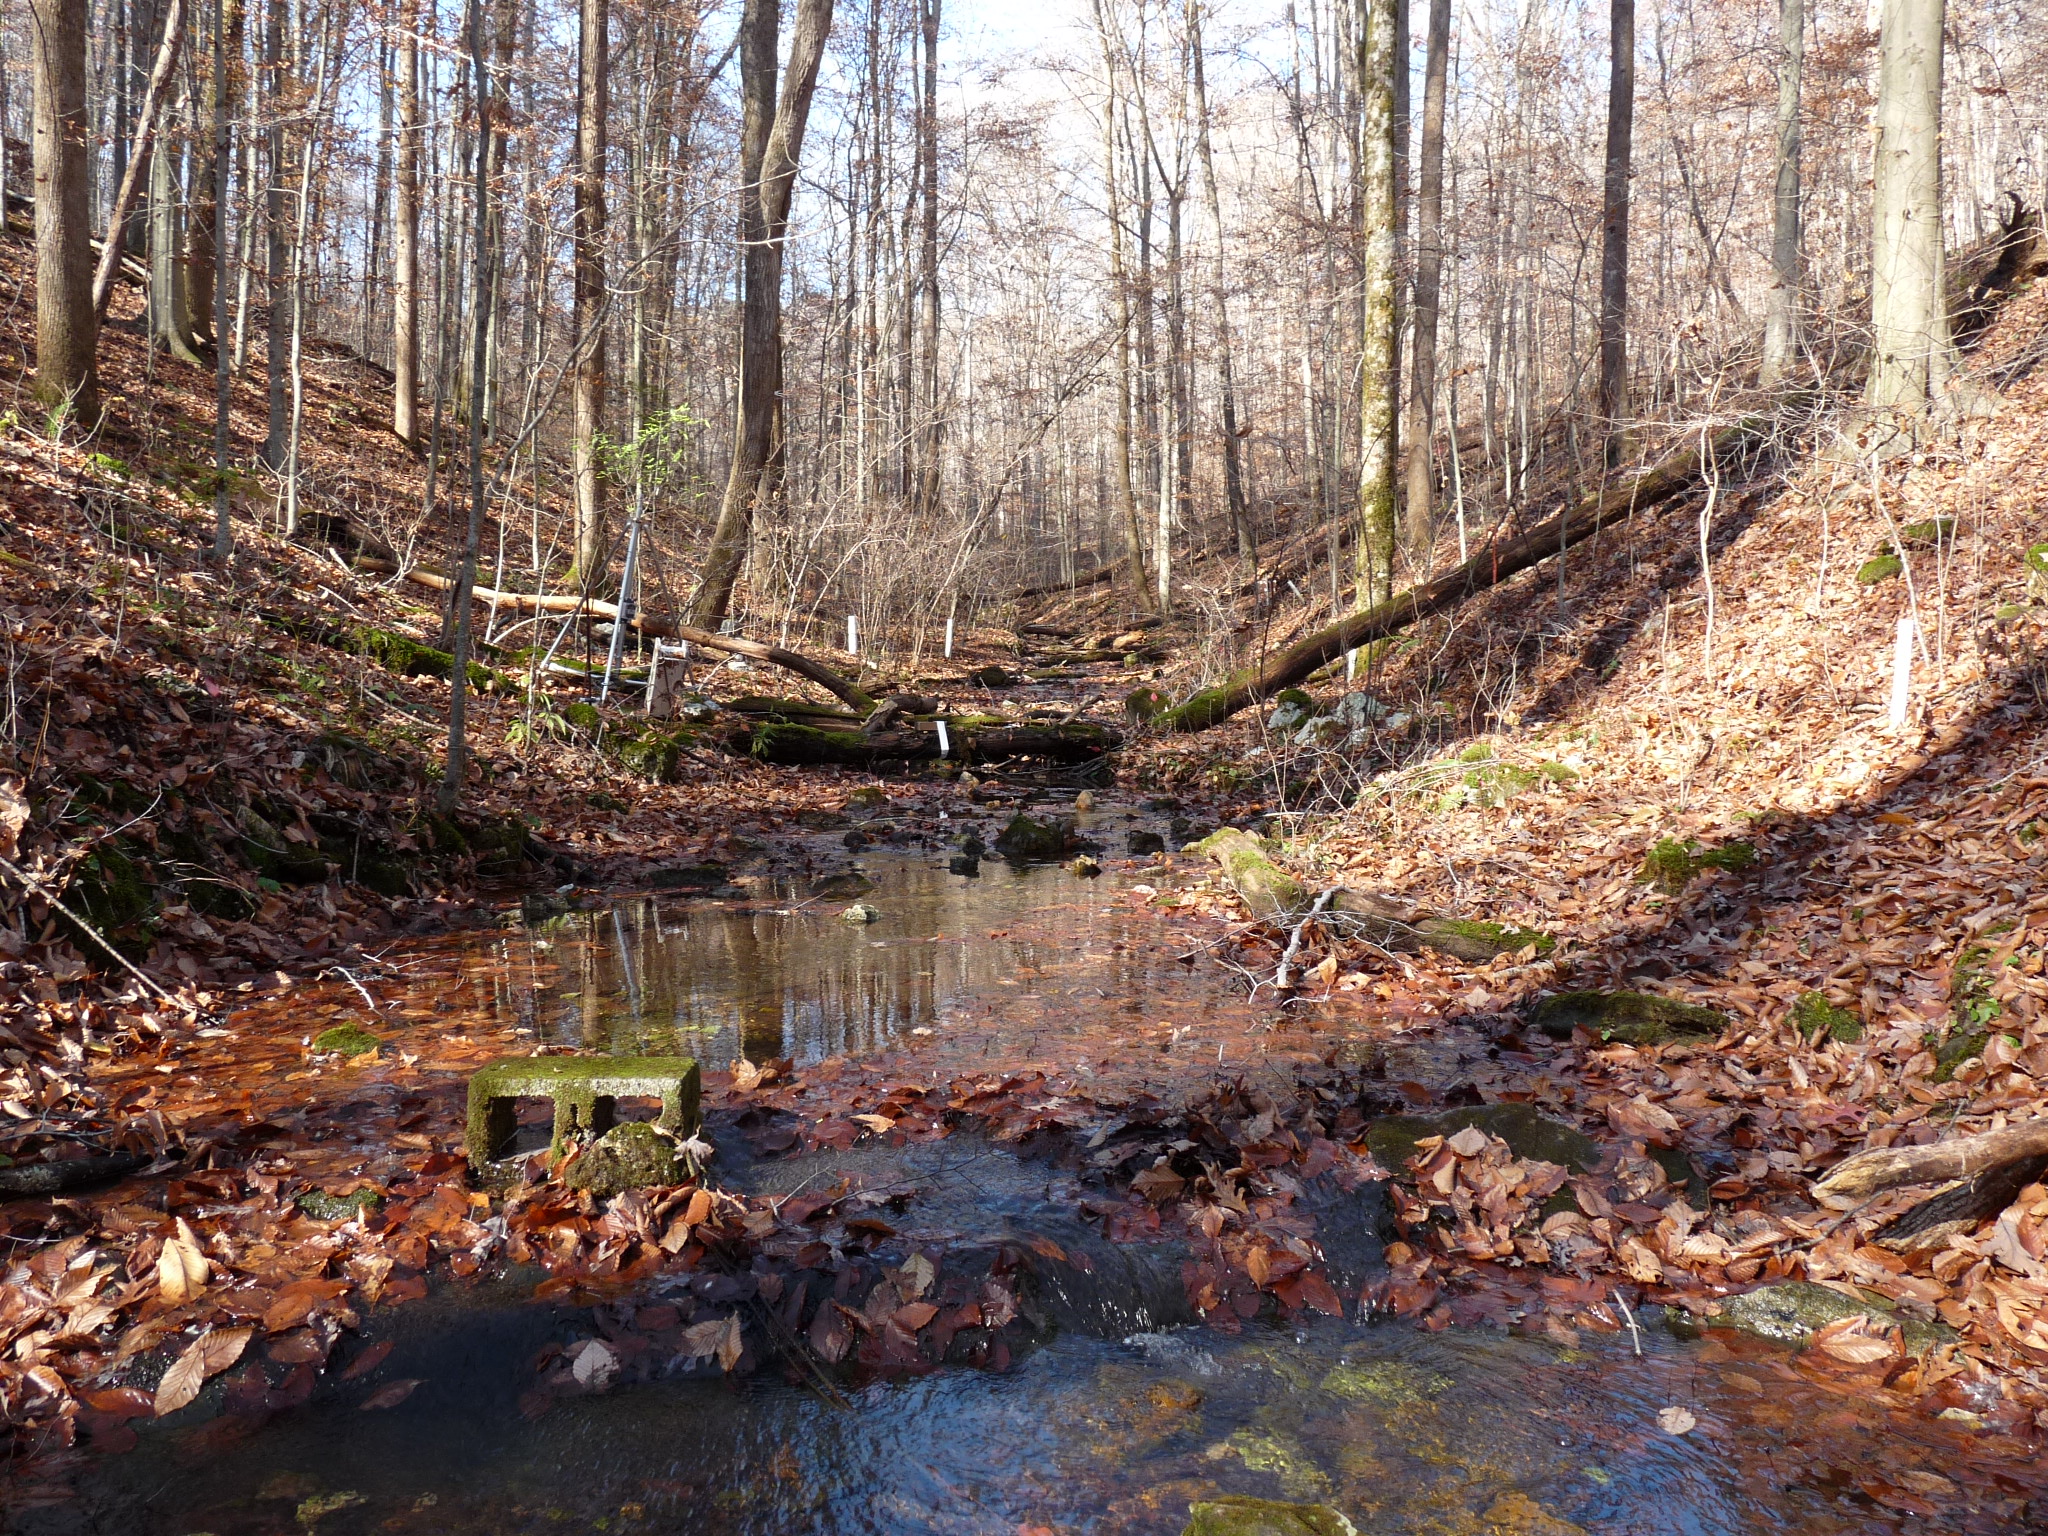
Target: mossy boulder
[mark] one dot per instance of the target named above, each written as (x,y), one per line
(1878,568)
(1235,1516)
(991,676)
(345,1040)
(1634,1018)
(1671,863)
(1392,1384)
(1928,533)
(1146,703)
(415,658)
(1528,1135)
(1792,1311)
(1292,708)
(321,1206)
(633,1155)
(1026,839)
(1817,1018)
(658,755)
(861,912)
(1268,891)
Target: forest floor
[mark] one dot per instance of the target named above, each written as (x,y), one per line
(1682,778)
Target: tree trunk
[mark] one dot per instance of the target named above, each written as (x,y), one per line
(931,430)
(227,33)
(405,237)
(593,106)
(1226,384)
(170,323)
(1379,344)
(65,331)
(1912,354)
(1621,108)
(771,142)
(1419,522)
(139,159)
(276,445)
(1781,313)
(202,249)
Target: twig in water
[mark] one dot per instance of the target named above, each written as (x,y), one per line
(1283,979)
(1635,1331)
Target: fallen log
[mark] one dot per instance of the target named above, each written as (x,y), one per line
(806,745)
(1274,896)
(647,623)
(1938,1162)
(1087,579)
(1671,476)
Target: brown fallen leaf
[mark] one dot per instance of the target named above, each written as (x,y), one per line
(391,1394)
(876,1123)
(181,1271)
(369,1359)
(915,1316)
(208,1355)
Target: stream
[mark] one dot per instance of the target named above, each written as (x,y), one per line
(1124,1413)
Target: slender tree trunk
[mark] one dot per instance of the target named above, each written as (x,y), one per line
(1379,361)
(202,250)
(65,330)
(1621,110)
(1912,353)
(226,46)
(481,285)
(1781,314)
(1419,512)
(405,236)
(1226,383)
(593,106)
(771,144)
(147,125)
(170,323)
(932,430)
(276,444)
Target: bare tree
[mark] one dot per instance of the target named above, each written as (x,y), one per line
(1621,106)
(405,241)
(1379,58)
(1418,520)
(1912,353)
(593,106)
(772,138)
(1226,382)
(65,331)
(1781,312)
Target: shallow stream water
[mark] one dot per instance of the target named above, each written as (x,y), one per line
(1127,1412)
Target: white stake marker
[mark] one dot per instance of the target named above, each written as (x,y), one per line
(852,635)
(1350,665)
(945,742)
(1902,673)
(949,637)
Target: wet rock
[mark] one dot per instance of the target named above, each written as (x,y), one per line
(839,887)
(964,864)
(1793,1310)
(1265,1517)
(1084,802)
(1291,708)
(990,677)
(861,912)
(44,1179)
(1274,1451)
(1144,844)
(346,1040)
(1528,1135)
(629,1156)
(321,1206)
(1085,867)
(973,846)
(1636,1018)
(868,798)
(1026,839)
(689,877)
(1516,1514)
(1393,1384)
(821,821)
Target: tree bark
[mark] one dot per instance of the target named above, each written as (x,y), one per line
(1674,474)
(1938,1162)
(405,237)
(771,143)
(170,321)
(65,330)
(593,106)
(1621,106)
(1418,510)
(1781,312)
(277,434)
(139,157)
(227,33)
(1912,353)
(1379,57)
(1226,383)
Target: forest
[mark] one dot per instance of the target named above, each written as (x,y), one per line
(1225,767)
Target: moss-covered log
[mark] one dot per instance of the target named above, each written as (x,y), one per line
(1076,741)
(1671,476)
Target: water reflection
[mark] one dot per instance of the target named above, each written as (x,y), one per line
(781,973)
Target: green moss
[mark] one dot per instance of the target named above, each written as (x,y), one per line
(1026,839)
(1972,1012)
(1198,711)
(1497,938)
(1794,1310)
(1932,531)
(1671,864)
(346,1040)
(1528,1135)
(1146,703)
(1389,1383)
(991,677)
(634,1155)
(107,466)
(582,715)
(1878,568)
(1266,889)
(1635,1018)
(1558,773)
(1815,1016)
(1233,1516)
(2036,562)
(584,1090)
(113,893)
(658,755)
(322,1206)
(413,658)
(1286,1458)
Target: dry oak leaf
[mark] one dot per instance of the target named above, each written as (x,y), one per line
(1676,1420)
(720,1337)
(875,1123)
(181,1269)
(208,1355)
(391,1394)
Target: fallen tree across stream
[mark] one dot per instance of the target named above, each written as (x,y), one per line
(1673,475)
(659,625)
(1071,741)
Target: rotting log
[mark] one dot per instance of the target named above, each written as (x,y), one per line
(1938,1162)
(660,625)
(1673,475)
(1960,1207)
(794,744)
(1274,896)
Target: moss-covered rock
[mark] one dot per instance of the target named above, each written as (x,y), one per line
(1671,863)
(414,658)
(1146,703)
(1928,533)
(861,912)
(868,799)
(991,676)
(658,755)
(1792,1311)
(1392,1384)
(1635,1018)
(1528,1134)
(321,1206)
(1470,940)
(1878,568)
(1816,1018)
(633,1155)
(1268,891)
(1264,1517)
(1278,1453)
(346,1040)
(1027,840)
